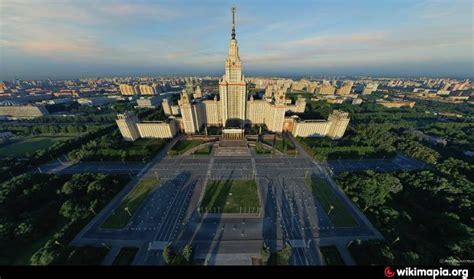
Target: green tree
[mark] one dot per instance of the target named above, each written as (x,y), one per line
(188,253)
(168,254)
(265,253)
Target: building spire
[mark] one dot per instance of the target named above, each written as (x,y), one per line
(233,23)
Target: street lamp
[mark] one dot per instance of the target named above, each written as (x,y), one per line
(128,211)
(331,207)
(396,239)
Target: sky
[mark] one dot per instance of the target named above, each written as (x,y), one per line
(87,38)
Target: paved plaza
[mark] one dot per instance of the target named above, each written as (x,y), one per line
(399,162)
(289,214)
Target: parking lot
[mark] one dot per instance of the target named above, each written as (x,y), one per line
(399,162)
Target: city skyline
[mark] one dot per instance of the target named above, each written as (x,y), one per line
(46,40)
(235,170)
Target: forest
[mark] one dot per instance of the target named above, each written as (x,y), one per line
(41,213)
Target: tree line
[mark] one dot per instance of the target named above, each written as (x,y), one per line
(424,215)
(112,147)
(23,130)
(34,206)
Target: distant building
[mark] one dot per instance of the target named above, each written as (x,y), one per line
(326,89)
(94,102)
(345,89)
(166,107)
(149,102)
(57,101)
(132,130)
(11,110)
(146,89)
(396,104)
(197,92)
(128,90)
(369,88)
(356,101)
(3,87)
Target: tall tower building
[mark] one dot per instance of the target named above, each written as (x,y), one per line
(188,114)
(338,122)
(197,92)
(166,107)
(127,126)
(232,86)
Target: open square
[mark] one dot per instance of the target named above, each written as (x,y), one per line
(231,196)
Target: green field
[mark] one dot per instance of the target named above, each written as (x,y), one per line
(120,217)
(230,196)
(259,149)
(284,146)
(331,255)
(204,151)
(183,145)
(29,145)
(339,215)
(125,256)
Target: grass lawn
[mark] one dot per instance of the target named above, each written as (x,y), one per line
(204,151)
(281,257)
(125,256)
(284,145)
(120,217)
(259,149)
(183,145)
(339,215)
(331,255)
(230,196)
(29,145)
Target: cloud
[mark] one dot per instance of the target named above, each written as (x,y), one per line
(182,34)
(73,30)
(140,10)
(348,38)
(367,47)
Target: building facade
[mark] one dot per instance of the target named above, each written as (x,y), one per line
(127,89)
(131,129)
(15,111)
(334,127)
(146,89)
